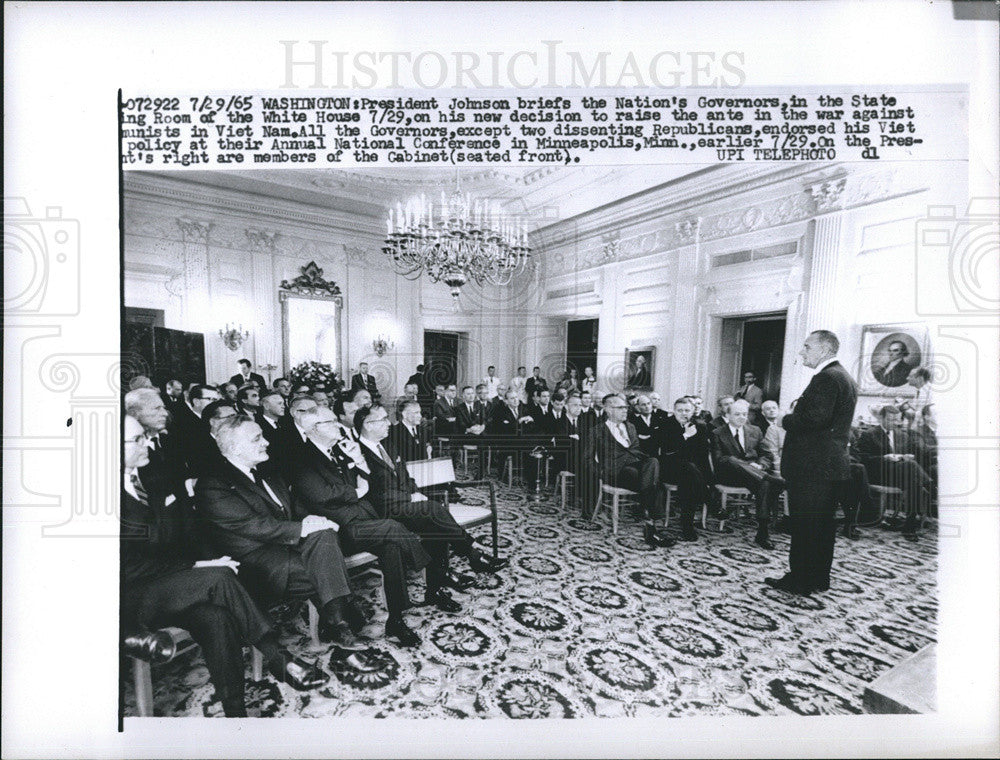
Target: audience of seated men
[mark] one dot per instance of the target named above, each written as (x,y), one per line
(251,517)
(738,462)
(323,485)
(889,453)
(685,449)
(622,464)
(166,583)
(394,495)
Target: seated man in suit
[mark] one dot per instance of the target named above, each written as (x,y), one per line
(588,414)
(284,386)
(166,583)
(291,436)
(658,413)
(889,454)
(722,417)
(769,415)
(446,412)
(541,413)
(363,381)
(272,409)
(187,426)
(622,463)
(322,485)
(684,462)
(248,401)
(739,463)
(700,414)
(250,517)
(245,377)
(505,429)
(166,468)
(470,416)
(410,436)
(647,426)
(394,495)
(174,394)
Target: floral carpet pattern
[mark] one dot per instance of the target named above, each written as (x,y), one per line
(584,624)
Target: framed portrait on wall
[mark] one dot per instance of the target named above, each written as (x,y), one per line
(639,366)
(888,354)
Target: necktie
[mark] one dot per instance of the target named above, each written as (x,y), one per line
(385,455)
(140,492)
(260,484)
(739,441)
(623,431)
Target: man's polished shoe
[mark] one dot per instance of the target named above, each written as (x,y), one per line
(785,583)
(442,600)
(662,539)
(155,646)
(399,630)
(341,635)
(355,616)
(649,535)
(852,533)
(484,563)
(300,675)
(458,581)
(689,534)
(344,659)
(763,542)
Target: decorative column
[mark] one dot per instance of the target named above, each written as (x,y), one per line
(687,373)
(825,304)
(265,334)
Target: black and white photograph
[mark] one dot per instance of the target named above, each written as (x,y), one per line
(464,380)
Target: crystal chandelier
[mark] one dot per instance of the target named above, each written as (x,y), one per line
(457,240)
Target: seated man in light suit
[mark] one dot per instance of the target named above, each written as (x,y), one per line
(251,518)
(165,583)
(323,485)
(622,464)
(394,495)
(739,462)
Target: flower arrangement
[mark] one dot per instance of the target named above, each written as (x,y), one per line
(313,374)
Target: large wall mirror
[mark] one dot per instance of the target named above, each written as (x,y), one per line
(310,319)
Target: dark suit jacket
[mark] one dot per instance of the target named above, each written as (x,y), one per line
(695,449)
(442,411)
(650,436)
(873,444)
(543,421)
(895,377)
(464,419)
(241,517)
(389,488)
(725,449)
(611,455)
(503,422)
(531,385)
(358,383)
(322,488)
(820,427)
(153,540)
(166,471)
(239,381)
(410,448)
(705,417)
(575,448)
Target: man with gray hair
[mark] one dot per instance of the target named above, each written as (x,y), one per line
(323,486)
(813,461)
(165,471)
(251,518)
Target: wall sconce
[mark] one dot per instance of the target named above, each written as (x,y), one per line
(382,344)
(233,337)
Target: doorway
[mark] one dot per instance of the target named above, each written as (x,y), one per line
(752,344)
(581,344)
(440,358)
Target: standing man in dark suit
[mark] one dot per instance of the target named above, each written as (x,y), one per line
(322,486)
(535,383)
(251,518)
(246,377)
(394,495)
(623,464)
(174,395)
(813,460)
(363,381)
(740,462)
(684,462)
(166,583)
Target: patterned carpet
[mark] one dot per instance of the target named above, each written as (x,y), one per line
(586,624)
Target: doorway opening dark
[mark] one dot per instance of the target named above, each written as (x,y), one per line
(581,345)
(440,358)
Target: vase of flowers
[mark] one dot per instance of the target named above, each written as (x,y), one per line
(314,374)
